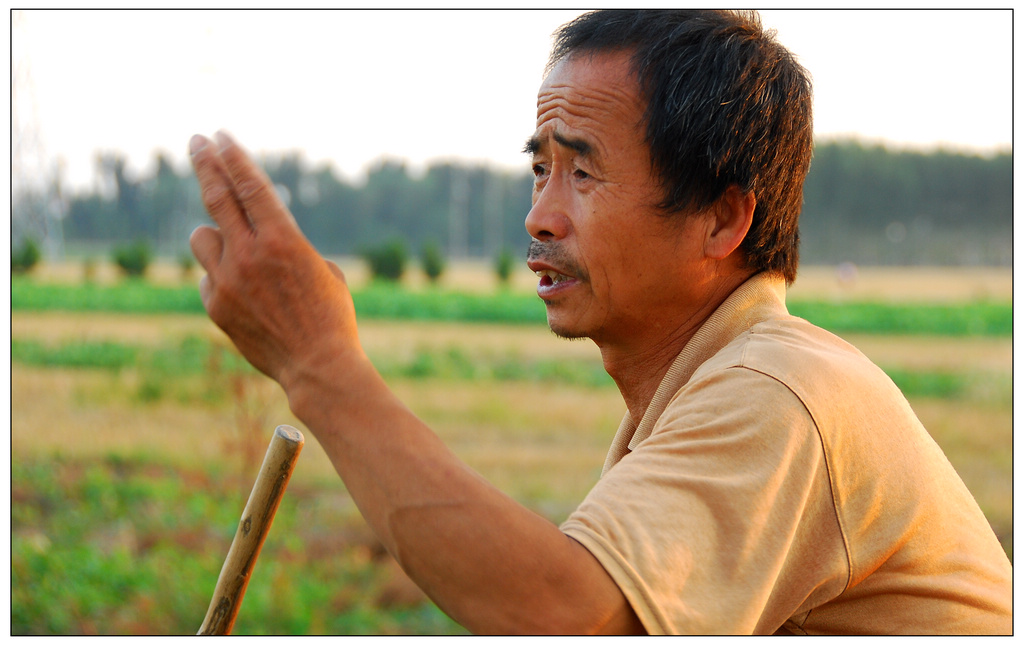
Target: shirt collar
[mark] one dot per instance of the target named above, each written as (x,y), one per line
(762,297)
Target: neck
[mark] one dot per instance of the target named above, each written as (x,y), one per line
(639,362)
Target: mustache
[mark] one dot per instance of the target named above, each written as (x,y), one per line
(557,256)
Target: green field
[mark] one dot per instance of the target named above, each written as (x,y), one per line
(390,302)
(137,431)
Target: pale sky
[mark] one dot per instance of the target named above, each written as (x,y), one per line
(351,87)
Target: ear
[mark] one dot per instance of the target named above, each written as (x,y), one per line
(732,215)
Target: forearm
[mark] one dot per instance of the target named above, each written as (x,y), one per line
(492,564)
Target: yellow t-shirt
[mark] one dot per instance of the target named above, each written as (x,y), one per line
(780,483)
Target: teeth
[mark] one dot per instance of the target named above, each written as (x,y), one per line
(554,275)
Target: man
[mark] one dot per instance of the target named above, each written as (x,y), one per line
(766,478)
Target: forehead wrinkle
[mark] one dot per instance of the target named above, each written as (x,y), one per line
(576,112)
(583,108)
(575,118)
(616,98)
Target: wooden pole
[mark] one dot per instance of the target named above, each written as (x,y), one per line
(259,511)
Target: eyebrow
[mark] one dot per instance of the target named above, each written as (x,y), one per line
(532,145)
(580,146)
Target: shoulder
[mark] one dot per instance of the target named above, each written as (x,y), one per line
(816,366)
(787,348)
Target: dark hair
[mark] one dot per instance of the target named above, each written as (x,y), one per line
(726,105)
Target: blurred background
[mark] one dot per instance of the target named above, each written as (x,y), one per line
(395,137)
(912,116)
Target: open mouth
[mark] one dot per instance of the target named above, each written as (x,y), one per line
(551,278)
(548,262)
(553,283)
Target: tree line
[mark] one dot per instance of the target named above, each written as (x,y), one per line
(863,204)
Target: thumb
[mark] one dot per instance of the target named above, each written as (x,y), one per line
(337,272)
(204,291)
(207,245)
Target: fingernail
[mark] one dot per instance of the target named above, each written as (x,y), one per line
(196,143)
(223,139)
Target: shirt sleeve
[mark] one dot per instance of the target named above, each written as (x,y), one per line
(722,521)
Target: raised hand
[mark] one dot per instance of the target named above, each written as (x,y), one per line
(491,563)
(286,308)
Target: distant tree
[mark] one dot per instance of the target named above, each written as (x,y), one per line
(503,266)
(386,261)
(187,264)
(135,221)
(133,259)
(26,256)
(433,261)
(91,217)
(862,203)
(165,199)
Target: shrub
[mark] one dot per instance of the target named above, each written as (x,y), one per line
(187,263)
(433,261)
(503,266)
(89,269)
(134,258)
(387,261)
(26,257)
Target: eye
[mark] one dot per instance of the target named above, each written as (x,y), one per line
(581,174)
(539,170)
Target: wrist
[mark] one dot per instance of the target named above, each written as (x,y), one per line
(329,380)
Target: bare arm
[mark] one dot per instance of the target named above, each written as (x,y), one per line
(490,563)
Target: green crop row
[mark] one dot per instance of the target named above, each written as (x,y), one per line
(960,319)
(133,296)
(192,355)
(196,356)
(383,301)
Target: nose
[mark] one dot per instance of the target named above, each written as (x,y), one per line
(548,219)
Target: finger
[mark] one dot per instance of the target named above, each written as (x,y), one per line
(205,290)
(336,270)
(253,188)
(216,188)
(208,246)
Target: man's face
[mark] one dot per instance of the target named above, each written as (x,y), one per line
(611,266)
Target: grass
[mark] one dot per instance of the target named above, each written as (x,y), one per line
(383,301)
(117,531)
(195,355)
(116,546)
(136,431)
